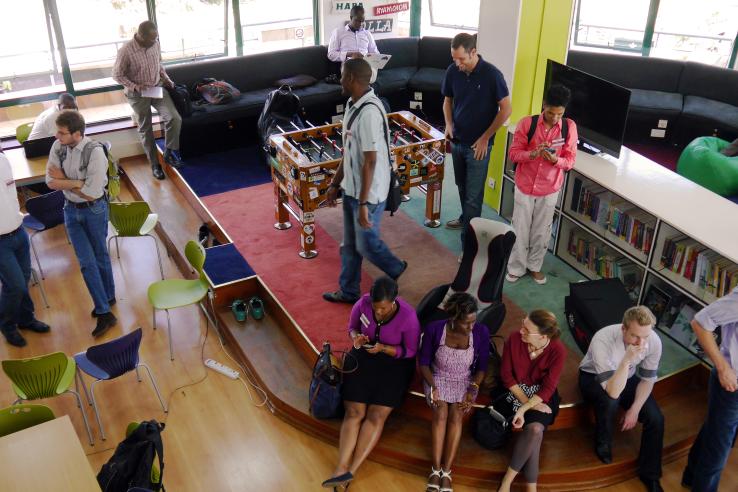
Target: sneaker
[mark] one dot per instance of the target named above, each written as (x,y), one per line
(454,224)
(35,325)
(511,278)
(338,296)
(404,267)
(173,158)
(538,278)
(157,171)
(105,321)
(14,338)
(239,310)
(256,307)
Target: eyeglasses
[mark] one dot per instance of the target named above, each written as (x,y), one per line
(524,330)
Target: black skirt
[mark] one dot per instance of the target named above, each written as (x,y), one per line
(378,380)
(506,409)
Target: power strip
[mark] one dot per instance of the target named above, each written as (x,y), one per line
(218,367)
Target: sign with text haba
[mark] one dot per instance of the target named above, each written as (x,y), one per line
(392,8)
(344,6)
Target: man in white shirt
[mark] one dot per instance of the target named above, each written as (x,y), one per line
(352,40)
(619,370)
(45,124)
(16,306)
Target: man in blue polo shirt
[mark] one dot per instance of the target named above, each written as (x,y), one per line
(476,104)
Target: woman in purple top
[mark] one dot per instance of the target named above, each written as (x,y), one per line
(385,332)
(453,359)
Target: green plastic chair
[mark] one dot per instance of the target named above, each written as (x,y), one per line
(133,219)
(18,417)
(173,293)
(45,376)
(23,131)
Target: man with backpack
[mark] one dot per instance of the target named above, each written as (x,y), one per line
(138,69)
(78,166)
(364,176)
(544,148)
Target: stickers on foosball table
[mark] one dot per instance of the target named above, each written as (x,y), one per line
(308,228)
(308,217)
(303,176)
(402,167)
(313,193)
(289,188)
(314,170)
(403,179)
(414,170)
(315,178)
(415,180)
(309,239)
(436,198)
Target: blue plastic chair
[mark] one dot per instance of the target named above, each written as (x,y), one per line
(44,212)
(110,360)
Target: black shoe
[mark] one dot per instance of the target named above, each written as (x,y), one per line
(36,325)
(105,321)
(111,302)
(338,296)
(15,338)
(157,171)
(404,267)
(687,479)
(604,453)
(172,158)
(651,484)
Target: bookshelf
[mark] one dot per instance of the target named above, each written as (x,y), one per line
(673,243)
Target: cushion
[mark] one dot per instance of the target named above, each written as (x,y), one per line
(296,81)
(404,51)
(660,102)
(700,108)
(702,162)
(709,82)
(428,79)
(393,79)
(435,52)
(633,72)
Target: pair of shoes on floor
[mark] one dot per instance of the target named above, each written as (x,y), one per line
(35,326)
(454,224)
(604,453)
(514,278)
(14,338)
(105,322)
(241,308)
(111,303)
(339,296)
(337,481)
(173,158)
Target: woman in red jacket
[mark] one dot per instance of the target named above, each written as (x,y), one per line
(532,362)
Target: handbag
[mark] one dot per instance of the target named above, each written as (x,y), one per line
(325,401)
(490,428)
(492,376)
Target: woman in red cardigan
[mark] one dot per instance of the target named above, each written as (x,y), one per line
(532,361)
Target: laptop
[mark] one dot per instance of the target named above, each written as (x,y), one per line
(38,147)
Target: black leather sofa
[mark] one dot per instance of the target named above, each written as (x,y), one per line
(417,64)
(695,99)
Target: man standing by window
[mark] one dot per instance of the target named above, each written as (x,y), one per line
(138,69)
(351,41)
(476,104)
(364,177)
(82,174)
(16,306)
(45,124)
(544,148)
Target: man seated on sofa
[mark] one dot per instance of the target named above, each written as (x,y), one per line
(45,124)
(352,40)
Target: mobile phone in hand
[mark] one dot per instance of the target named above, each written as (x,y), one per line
(368,345)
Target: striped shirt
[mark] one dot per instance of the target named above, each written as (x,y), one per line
(723,313)
(344,41)
(137,68)
(607,350)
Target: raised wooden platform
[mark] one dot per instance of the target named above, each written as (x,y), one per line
(280,357)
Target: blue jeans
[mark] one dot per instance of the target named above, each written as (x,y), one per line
(359,243)
(710,451)
(88,229)
(16,306)
(470,175)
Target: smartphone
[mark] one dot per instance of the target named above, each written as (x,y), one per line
(550,150)
(368,345)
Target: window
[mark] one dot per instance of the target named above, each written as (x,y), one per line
(190,29)
(267,26)
(701,31)
(617,25)
(93,45)
(448,17)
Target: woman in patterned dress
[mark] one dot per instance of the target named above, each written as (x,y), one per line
(532,361)
(453,358)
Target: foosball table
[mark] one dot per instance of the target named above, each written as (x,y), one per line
(304,161)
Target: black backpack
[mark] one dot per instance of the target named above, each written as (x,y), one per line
(131,464)
(181,98)
(282,109)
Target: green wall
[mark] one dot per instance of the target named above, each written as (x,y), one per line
(543,34)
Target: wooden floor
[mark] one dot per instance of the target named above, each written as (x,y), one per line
(216,438)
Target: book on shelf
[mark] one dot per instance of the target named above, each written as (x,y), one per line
(702,268)
(603,261)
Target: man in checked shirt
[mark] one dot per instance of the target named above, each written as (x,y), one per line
(138,69)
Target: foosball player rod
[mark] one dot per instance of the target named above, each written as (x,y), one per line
(299,147)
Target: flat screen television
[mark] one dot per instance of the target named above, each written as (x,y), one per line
(598,107)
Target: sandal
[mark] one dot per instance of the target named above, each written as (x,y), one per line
(339,481)
(239,310)
(434,473)
(256,307)
(446,474)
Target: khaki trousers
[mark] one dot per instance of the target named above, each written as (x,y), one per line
(142,117)
(532,217)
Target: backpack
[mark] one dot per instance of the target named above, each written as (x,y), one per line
(112,188)
(181,98)
(282,109)
(217,91)
(132,463)
(394,195)
(534,123)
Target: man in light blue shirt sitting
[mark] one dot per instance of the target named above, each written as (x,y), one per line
(710,451)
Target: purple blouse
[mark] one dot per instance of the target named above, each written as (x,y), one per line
(402,332)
